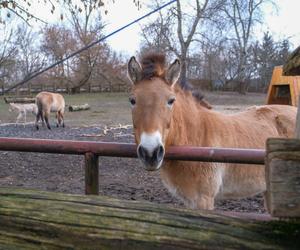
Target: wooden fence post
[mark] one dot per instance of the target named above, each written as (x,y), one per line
(283,177)
(91,173)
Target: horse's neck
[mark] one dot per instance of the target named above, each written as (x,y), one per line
(189,123)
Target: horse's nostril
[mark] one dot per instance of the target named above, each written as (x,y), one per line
(160,153)
(141,152)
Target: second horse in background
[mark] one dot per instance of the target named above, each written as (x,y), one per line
(47,102)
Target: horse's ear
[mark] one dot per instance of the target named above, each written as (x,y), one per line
(134,70)
(173,72)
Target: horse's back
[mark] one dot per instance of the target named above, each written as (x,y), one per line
(281,117)
(52,101)
(259,123)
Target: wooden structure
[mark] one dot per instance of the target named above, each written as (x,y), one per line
(44,220)
(283,89)
(283,177)
(292,65)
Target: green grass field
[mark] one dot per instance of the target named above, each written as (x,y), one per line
(113,108)
(106,108)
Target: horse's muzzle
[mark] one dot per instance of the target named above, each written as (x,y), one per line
(151,159)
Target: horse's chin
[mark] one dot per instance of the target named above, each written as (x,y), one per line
(150,167)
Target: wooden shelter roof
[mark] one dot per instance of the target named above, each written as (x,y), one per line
(292,65)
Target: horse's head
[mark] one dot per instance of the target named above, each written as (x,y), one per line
(12,107)
(152,99)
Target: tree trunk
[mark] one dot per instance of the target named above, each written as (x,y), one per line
(73,108)
(10,99)
(44,220)
(29,88)
(183,74)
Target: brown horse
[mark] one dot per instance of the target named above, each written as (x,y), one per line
(165,113)
(47,102)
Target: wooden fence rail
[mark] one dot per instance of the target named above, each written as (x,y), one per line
(92,151)
(31,219)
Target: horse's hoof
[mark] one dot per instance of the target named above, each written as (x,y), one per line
(37,127)
(57,125)
(63,125)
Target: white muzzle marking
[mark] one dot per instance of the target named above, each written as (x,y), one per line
(151,142)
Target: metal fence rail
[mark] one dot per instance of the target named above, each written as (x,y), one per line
(92,151)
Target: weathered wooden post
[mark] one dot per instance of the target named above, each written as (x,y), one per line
(91,173)
(283,177)
(283,163)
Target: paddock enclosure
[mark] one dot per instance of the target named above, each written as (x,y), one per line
(45,219)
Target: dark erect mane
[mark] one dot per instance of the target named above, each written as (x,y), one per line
(154,65)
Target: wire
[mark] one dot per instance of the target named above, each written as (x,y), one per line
(88,46)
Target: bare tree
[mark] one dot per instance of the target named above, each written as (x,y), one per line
(242,15)
(8,51)
(58,42)
(87,27)
(202,10)
(157,35)
(30,60)
(160,33)
(22,9)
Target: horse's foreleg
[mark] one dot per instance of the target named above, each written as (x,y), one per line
(24,119)
(57,119)
(61,119)
(43,120)
(19,117)
(206,202)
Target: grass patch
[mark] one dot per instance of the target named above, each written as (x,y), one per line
(114,108)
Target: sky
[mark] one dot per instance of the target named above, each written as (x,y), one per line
(281,23)
(284,22)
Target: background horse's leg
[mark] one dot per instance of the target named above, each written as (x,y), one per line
(60,118)
(43,120)
(24,118)
(46,117)
(57,119)
(37,119)
(63,120)
(19,117)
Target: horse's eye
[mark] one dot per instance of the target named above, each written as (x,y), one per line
(132,101)
(171,101)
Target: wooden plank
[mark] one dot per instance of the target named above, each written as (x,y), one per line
(43,220)
(297,128)
(283,177)
(91,173)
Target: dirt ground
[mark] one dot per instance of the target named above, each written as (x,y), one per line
(119,177)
